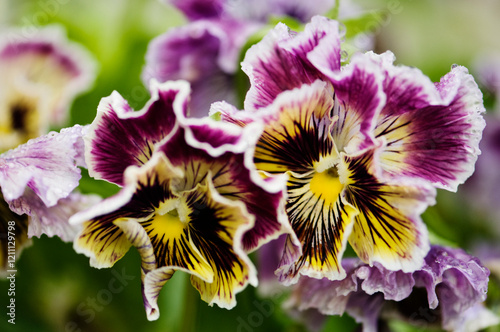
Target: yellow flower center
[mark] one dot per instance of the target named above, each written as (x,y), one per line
(171,218)
(326,185)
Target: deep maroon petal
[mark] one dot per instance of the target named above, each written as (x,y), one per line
(120,137)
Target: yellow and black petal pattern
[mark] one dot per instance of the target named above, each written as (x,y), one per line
(197,231)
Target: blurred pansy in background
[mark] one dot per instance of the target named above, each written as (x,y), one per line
(41,76)
(295,162)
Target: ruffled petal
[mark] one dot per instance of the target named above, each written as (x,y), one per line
(47,165)
(101,239)
(297,130)
(388,228)
(217,230)
(120,137)
(455,281)
(327,296)
(431,131)
(322,223)
(280,61)
(455,284)
(358,100)
(205,53)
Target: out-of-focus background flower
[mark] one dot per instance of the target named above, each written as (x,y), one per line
(57,290)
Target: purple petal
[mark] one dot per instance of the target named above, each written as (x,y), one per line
(431,131)
(120,137)
(281,60)
(358,100)
(199,9)
(329,297)
(47,165)
(205,53)
(454,280)
(254,10)
(395,285)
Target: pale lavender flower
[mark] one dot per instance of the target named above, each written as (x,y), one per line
(446,292)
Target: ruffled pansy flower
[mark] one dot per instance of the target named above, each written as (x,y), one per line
(191,199)
(446,292)
(37,180)
(364,146)
(40,75)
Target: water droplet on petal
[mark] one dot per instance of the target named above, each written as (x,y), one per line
(344,56)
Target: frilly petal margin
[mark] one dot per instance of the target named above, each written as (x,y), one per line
(120,137)
(48,165)
(452,279)
(432,131)
(280,61)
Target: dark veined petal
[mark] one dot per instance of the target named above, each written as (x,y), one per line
(120,137)
(203,238)
(388,228)
(101,239)
(13,236)
(322,220)
(281,61)
(297,131)
(217,230)
(431,131)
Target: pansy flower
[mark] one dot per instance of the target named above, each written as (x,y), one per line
(37,180)
(446,292)
(364,147)
(191,197)
(41,73)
